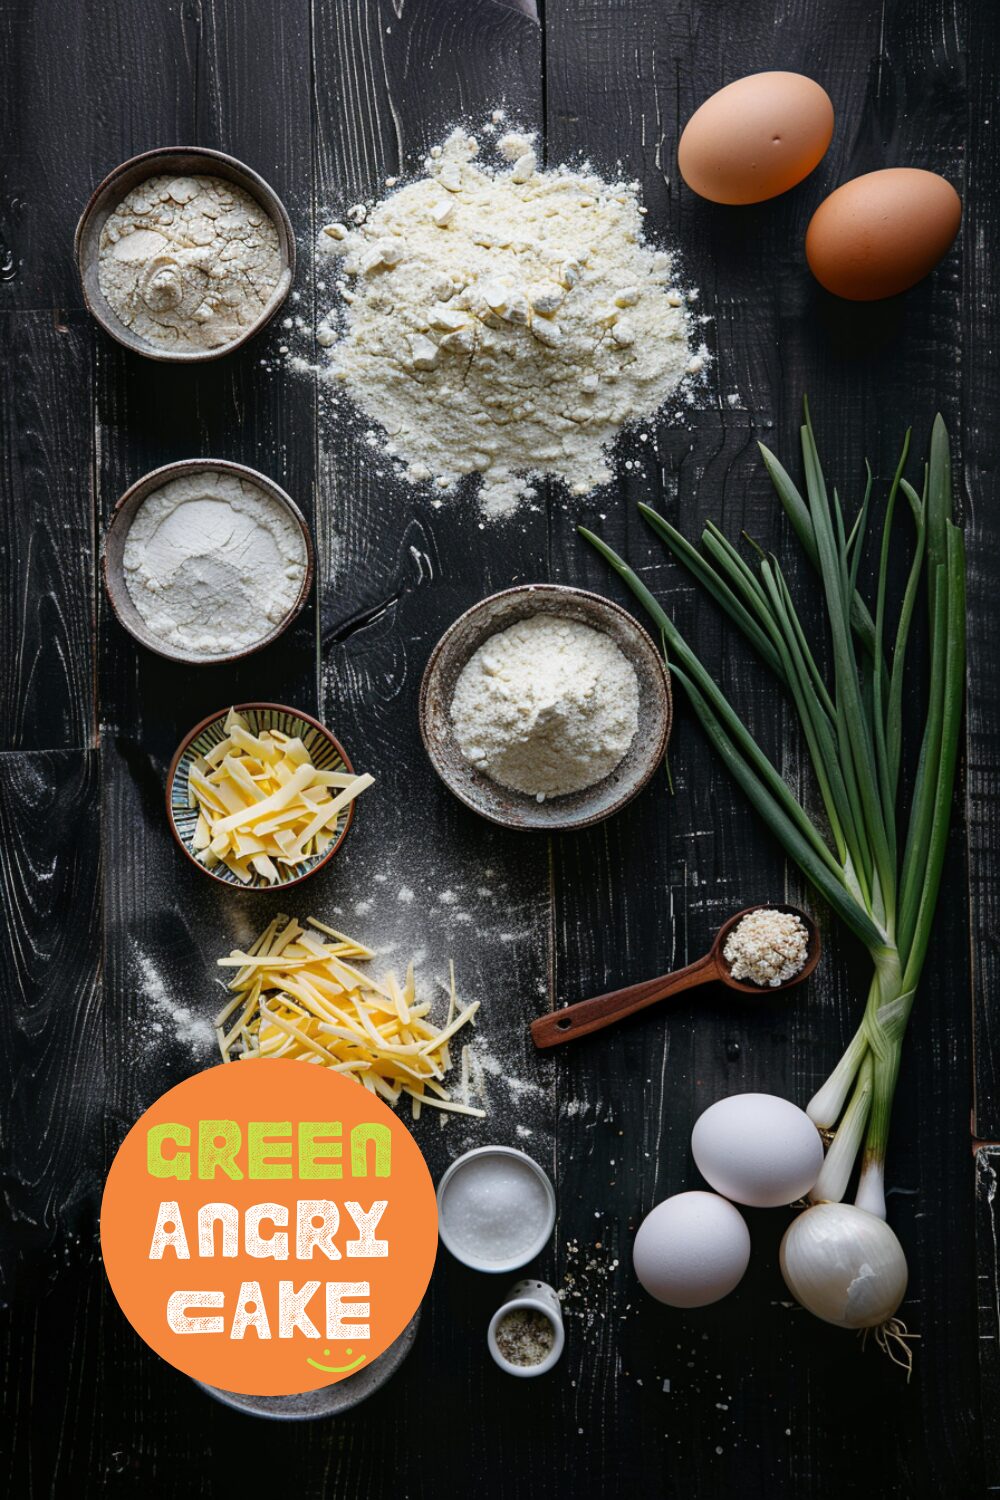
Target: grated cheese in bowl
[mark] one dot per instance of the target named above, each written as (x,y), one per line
(263,806)
(297,994)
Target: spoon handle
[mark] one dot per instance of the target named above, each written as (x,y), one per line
(604,1010)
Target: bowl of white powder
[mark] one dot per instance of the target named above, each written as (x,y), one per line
(184,254)
(206,561)
(545,707)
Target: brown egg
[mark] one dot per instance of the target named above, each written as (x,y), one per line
(756,138)
(879,234)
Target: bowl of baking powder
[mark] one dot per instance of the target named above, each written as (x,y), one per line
(206,561)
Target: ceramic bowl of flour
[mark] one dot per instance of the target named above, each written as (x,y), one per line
(179,291)
(220,563)
(517,809)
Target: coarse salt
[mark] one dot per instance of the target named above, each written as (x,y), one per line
(767,947)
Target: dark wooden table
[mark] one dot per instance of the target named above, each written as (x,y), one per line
(108,926)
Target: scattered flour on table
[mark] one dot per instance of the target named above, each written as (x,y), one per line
(192,1031)
(494,1068)
(189,263)
(505,320)
(464,910)
(503,1074)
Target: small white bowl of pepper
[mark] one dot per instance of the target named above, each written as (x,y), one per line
(526,1335)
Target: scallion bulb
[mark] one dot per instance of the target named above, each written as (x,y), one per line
(844,1265)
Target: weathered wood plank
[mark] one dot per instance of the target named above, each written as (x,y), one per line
(397,571)
(394,78)
(52,1144)
(239,82)
(627,80)
(52,1054)
(73,90)
(46,535)
(981,393)
(239,406)
(54,1380)
(988,1279)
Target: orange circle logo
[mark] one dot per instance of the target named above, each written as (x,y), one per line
(269,1227)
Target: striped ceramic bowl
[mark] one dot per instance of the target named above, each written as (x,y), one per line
(326,753)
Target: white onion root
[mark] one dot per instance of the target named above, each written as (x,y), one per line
(846,1266)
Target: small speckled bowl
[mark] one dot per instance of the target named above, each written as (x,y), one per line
(325,750)
(113,556)
(176,161)
(515,809)
(532,1297)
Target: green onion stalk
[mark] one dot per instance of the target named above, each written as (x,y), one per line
(881,874)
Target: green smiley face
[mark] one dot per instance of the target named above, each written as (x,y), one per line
(337,1369)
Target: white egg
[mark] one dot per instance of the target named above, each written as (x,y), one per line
(691,1249)
(757,1149)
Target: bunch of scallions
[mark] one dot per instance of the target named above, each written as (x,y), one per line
(879,875)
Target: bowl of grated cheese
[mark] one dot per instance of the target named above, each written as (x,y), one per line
(545,707)
(260,796)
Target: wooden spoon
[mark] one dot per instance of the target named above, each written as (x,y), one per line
(604,1010)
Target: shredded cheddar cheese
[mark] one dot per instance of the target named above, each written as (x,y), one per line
(298,994)
(262,803)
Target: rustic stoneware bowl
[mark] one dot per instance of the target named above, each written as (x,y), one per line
(514,809)
(328,1400)
(325,750)
(113,555)
(176,161)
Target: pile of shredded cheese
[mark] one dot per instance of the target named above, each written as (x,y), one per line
(262,803)
(299,996)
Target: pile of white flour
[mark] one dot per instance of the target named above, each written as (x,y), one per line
(188,262)
(546,707)
(213,563)
(505,320)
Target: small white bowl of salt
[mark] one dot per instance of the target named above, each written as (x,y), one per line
(496,1209)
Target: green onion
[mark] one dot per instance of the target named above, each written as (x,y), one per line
(881,874)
